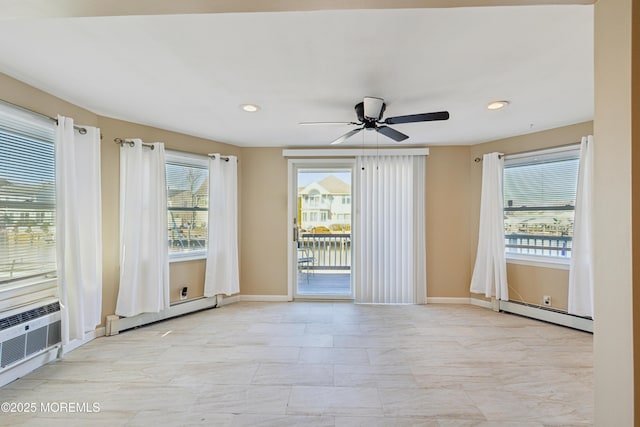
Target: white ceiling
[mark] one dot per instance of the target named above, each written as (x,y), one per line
(190,73)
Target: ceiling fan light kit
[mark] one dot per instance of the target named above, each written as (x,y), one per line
(369,113)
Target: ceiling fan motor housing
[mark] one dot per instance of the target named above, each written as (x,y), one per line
(360,111)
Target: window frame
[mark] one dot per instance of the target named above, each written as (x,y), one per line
(565,152)
(30,126)
(194,160)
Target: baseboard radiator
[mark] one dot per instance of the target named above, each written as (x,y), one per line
(28,331)
(547,315)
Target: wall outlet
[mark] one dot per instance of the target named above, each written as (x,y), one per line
(546,300)
(183,293)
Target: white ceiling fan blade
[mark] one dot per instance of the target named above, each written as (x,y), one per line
(373,107)
(346,136)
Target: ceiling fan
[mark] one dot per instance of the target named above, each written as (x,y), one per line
(369,113)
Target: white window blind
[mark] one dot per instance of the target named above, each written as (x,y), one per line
(188,204)
(27,195)
(539,203)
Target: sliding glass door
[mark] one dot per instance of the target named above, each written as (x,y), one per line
(320,213)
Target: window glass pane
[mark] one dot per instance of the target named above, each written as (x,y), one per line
(539,203)
(188,205)
(27,195)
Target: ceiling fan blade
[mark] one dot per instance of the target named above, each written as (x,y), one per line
(373,107)
(328,123)
(392,133)
(346,136)
(412,118)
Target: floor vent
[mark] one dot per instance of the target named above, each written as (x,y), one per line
(28,332)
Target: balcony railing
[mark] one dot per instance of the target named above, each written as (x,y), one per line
(328,251)
(534,244)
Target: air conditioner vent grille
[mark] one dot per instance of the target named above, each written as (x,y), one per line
(27,316)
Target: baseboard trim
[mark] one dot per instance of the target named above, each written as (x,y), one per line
(222,300)
(447,300)
(480,303)
(550,316)
(264,298)
(91,335)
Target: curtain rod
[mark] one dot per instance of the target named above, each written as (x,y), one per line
(226,159)
(144,144)
(479,159)
(572,144)
(130,142)
(80,129)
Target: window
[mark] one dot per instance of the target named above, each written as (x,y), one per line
(539,202)
(27,195)
(188,205)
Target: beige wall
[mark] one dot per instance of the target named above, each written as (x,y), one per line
(447,222)
(526,283)
(26,96)
(189,274)
(263,221)
(529,284)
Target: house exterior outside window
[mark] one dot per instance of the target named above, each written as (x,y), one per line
(326,204)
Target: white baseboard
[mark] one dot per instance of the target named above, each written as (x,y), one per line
(480,303)
(447,300)
(228,300)
(98,332)
(264,298)
(550,316)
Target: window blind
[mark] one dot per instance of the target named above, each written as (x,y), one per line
(539,203)
(27,195)
(188,204)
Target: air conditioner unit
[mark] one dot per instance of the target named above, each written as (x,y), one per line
(29,330)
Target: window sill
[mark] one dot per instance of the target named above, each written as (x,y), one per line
(539,261)
(187,257)
(25,291)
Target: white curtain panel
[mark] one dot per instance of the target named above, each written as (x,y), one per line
(390,236)
(581,268)
(78,229)
(144,259)
(222,274)
(490,271)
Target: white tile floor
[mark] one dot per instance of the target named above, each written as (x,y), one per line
(322,364)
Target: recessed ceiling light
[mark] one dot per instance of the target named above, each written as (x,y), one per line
(250,108)
(497,105)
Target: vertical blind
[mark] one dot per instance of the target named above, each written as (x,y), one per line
(539,204)
(27,195)
(188,204)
